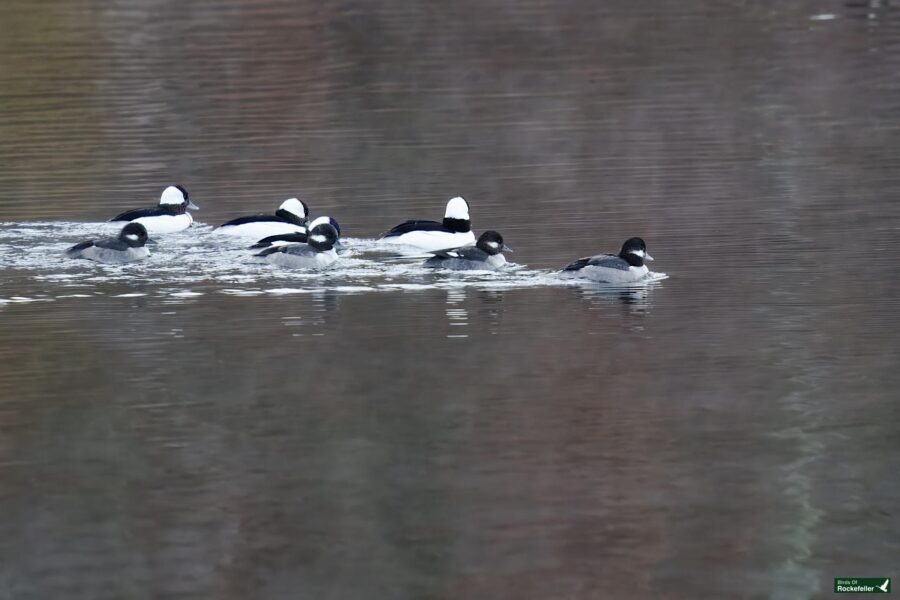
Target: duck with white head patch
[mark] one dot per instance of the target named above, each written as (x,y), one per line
(626,267)
(291,217)
(454,231)
(169,216)
(485,255)
(317,253)
(299,237)
(129,246)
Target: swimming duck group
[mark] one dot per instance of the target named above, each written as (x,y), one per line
(288,238)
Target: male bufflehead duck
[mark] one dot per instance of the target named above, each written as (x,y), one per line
(317,253)
(291,217)
(169,216)
(127,247)
(626,267)
(454,232)
(299,237)
(487,254)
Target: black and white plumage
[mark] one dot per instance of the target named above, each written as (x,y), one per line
(626,267)
(129,246)
(317,253)
(485,255)
(169,216)
(453,232)
(297,237)
(291,217)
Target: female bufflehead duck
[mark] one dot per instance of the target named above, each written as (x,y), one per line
(317,253)
(454,232)
(627,267)
(291,217)
(299,237)
(169,216)
(128,247)
(485,255)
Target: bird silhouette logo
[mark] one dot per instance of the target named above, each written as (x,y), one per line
(884,586)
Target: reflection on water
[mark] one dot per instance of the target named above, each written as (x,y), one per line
(457,315)
(883,11)
(491,305)
(205,426)
(634,299)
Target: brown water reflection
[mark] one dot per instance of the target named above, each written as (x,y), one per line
(729,433)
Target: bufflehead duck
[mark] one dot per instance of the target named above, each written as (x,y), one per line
(626,267)
(169,216)
(299,237)
(317,253)
(291,217)
(454,232)
(487,254)
(128,247)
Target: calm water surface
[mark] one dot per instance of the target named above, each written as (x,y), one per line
(201,426)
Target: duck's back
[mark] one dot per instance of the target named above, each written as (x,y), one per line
(413,226)
(109,250)
(159,219)
(138,213)
(299,256)
(281,239)
(605,268)
(428,235)
(259,226)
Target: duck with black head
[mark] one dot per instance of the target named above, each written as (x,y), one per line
(300,237)
(291,217)
(129,246)
(625,267)
(169,216)
(485,255)
(317,253)
(453,232)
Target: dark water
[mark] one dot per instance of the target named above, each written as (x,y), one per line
(193,429)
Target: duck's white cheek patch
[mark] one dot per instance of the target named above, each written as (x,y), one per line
(318,238)
(457,208)
(295,206)
(640,253)
(493,244)
(132,237)
(171,195)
